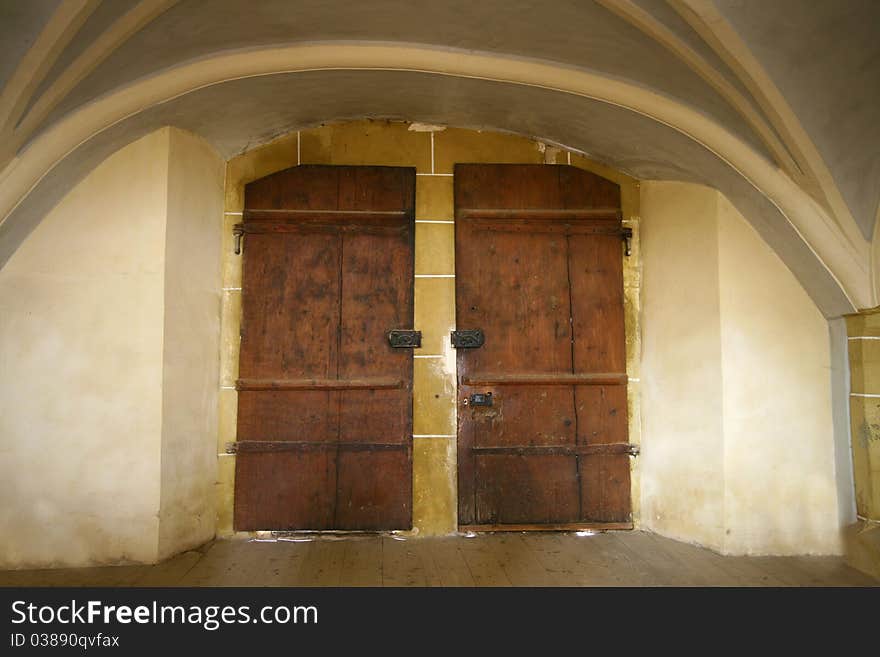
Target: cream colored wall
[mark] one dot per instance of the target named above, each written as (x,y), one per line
(109,326)
(192,336)
(81,323)
(779,464)
(682,466)
(738,446)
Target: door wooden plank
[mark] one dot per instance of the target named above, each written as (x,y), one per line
(285,490)
(526,489)
(289,307)
(598,323)
(605,487)
(596,269)
(373,489)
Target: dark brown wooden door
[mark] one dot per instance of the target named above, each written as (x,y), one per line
(325,403)
(538,254)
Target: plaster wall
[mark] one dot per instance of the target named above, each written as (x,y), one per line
(81,340)
(191,343)
(682,460)
(738,441)
(109,332)
(779,453)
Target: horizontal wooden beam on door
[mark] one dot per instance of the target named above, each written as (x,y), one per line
(551,227)
(592,379)
(376,383)
(309,227)
(269,214)
(274,446)
(554,450)
(572,214)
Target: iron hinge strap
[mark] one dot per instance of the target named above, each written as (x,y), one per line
(237,234)
(626,234)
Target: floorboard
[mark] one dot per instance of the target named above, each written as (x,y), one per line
(624,558)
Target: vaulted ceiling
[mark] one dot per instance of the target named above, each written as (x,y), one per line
(773,103)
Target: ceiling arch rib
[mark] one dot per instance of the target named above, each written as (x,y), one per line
(576,33)
(846,263)
(654,28)
(100,49)
(60,28)
(717,31)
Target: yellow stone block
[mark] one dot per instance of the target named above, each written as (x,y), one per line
(433,397)
(865,323)
(865,418)
(634,424)
(234,201)
(383,143)
(864,365)
(230,340)
(434,486)
(634,412)
(434,198)
(434,300)
(435,249)
(224,491)
(228,419)
(632,264)
(456,145)
(632,337)
(862,540)
(231,263)
(275,156)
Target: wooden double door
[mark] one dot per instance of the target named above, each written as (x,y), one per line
(325,388)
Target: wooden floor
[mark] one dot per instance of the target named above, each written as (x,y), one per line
(504,559)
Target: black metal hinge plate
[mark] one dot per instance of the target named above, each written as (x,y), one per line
(404,339)
(468,339)
(627,234)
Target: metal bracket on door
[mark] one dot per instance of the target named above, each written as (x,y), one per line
(404,339)
(237,234)
(468,339)
(627,234)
